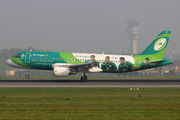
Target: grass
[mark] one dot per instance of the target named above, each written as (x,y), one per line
(90,103)
(90,77)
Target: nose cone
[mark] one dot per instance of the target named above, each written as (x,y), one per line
(9,62)
(12,64)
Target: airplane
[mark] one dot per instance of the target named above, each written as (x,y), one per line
(65,64)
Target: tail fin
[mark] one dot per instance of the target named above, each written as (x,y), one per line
(158,47)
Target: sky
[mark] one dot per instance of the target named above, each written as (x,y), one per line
(92,26)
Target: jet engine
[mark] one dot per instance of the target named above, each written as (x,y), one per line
(61,71)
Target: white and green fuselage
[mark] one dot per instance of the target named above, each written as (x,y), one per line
(47,60)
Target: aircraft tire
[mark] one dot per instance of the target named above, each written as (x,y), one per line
(84,78)
(27,76)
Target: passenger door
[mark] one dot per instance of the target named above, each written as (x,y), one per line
(27,58)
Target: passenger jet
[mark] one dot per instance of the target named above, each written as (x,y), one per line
(65,64)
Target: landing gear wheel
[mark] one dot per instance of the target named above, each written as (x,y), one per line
(27,76)
(83,78)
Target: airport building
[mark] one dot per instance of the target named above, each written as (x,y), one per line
(132,32)
(10,73)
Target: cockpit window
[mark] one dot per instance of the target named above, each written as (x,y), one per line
(16,56)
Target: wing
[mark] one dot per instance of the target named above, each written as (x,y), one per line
(83,66)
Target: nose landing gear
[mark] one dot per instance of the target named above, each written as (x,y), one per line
(28,74)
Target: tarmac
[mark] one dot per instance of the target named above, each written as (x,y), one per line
(91,83)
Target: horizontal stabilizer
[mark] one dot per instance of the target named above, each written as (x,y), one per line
(156,62)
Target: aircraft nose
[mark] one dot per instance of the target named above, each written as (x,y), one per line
(13,64)
(9,62)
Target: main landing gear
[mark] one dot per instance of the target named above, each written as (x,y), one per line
(28,74)
(84,78)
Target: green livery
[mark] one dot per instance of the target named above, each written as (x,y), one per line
(64,64)
(154,52)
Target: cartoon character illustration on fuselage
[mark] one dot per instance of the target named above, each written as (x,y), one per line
(65,64)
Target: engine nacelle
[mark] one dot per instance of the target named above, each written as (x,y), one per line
(61,71)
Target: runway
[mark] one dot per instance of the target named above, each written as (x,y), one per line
(91,83)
